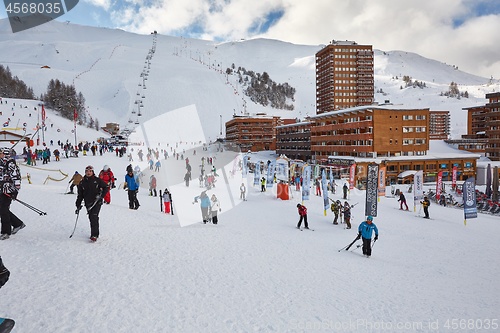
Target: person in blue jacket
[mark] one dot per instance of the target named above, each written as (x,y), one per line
(365,231)
(132,184)
(204,205)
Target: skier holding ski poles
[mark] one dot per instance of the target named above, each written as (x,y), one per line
(365,231)
(92,189)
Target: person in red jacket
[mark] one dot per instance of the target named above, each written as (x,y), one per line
(303,216)
(107,176)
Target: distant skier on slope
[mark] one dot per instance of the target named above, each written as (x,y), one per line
(303,216)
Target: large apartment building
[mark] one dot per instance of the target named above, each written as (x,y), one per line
(370,131)
(483,122)
(344,76)
(439,125)
(254,132)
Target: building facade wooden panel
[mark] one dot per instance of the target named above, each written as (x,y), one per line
(483,122)
(294,141)
(370,131)
(253,133)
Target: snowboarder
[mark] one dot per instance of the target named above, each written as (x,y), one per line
(132,185)
(109,178)
(167,197)
(347,214)
(75,180)
(92,189)
(402,201)
(204,205)
(426,203)
(214,207)
(10,179)
(365,231)
(303,216)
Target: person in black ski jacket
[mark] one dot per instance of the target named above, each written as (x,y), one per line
(10,184)
(92,189)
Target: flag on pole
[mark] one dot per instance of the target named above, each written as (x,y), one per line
(324,185)
(371,190)
(469,197)
(306,181)
(418,188)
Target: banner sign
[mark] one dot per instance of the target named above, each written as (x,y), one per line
(469,193)
(371,190)
(306,181)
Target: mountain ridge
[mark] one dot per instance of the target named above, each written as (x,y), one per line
(107,65)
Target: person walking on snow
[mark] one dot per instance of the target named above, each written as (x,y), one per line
(337,208)
(132,185)
(303,216)
(426,203)
(109,178)
(152,186)
(214,207)
(243,190)
(10,180)
(204,205)
(345,189)
(347,214)
(91,189)
(75,180)
(365,231)
(402,201)
(167,198)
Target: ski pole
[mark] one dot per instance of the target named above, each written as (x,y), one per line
(357,247)
(36,210)
(76,221)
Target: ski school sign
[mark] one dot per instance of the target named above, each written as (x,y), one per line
(371,190)
(469,193)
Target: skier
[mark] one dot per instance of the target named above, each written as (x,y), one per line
(152,186)
(365,231)
(318,186)
(347,214)
(243,190)
(132,185)
(345,188)
(75,180)
(204,205)
(303,216)
(10,180)
(167,197)
(263,184)
(109,178)
(426,203)
(91,189)
(214,207)
(336,207)
(402,201)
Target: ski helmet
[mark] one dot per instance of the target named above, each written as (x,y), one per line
(106,168)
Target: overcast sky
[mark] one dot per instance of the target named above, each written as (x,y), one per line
(458,32)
